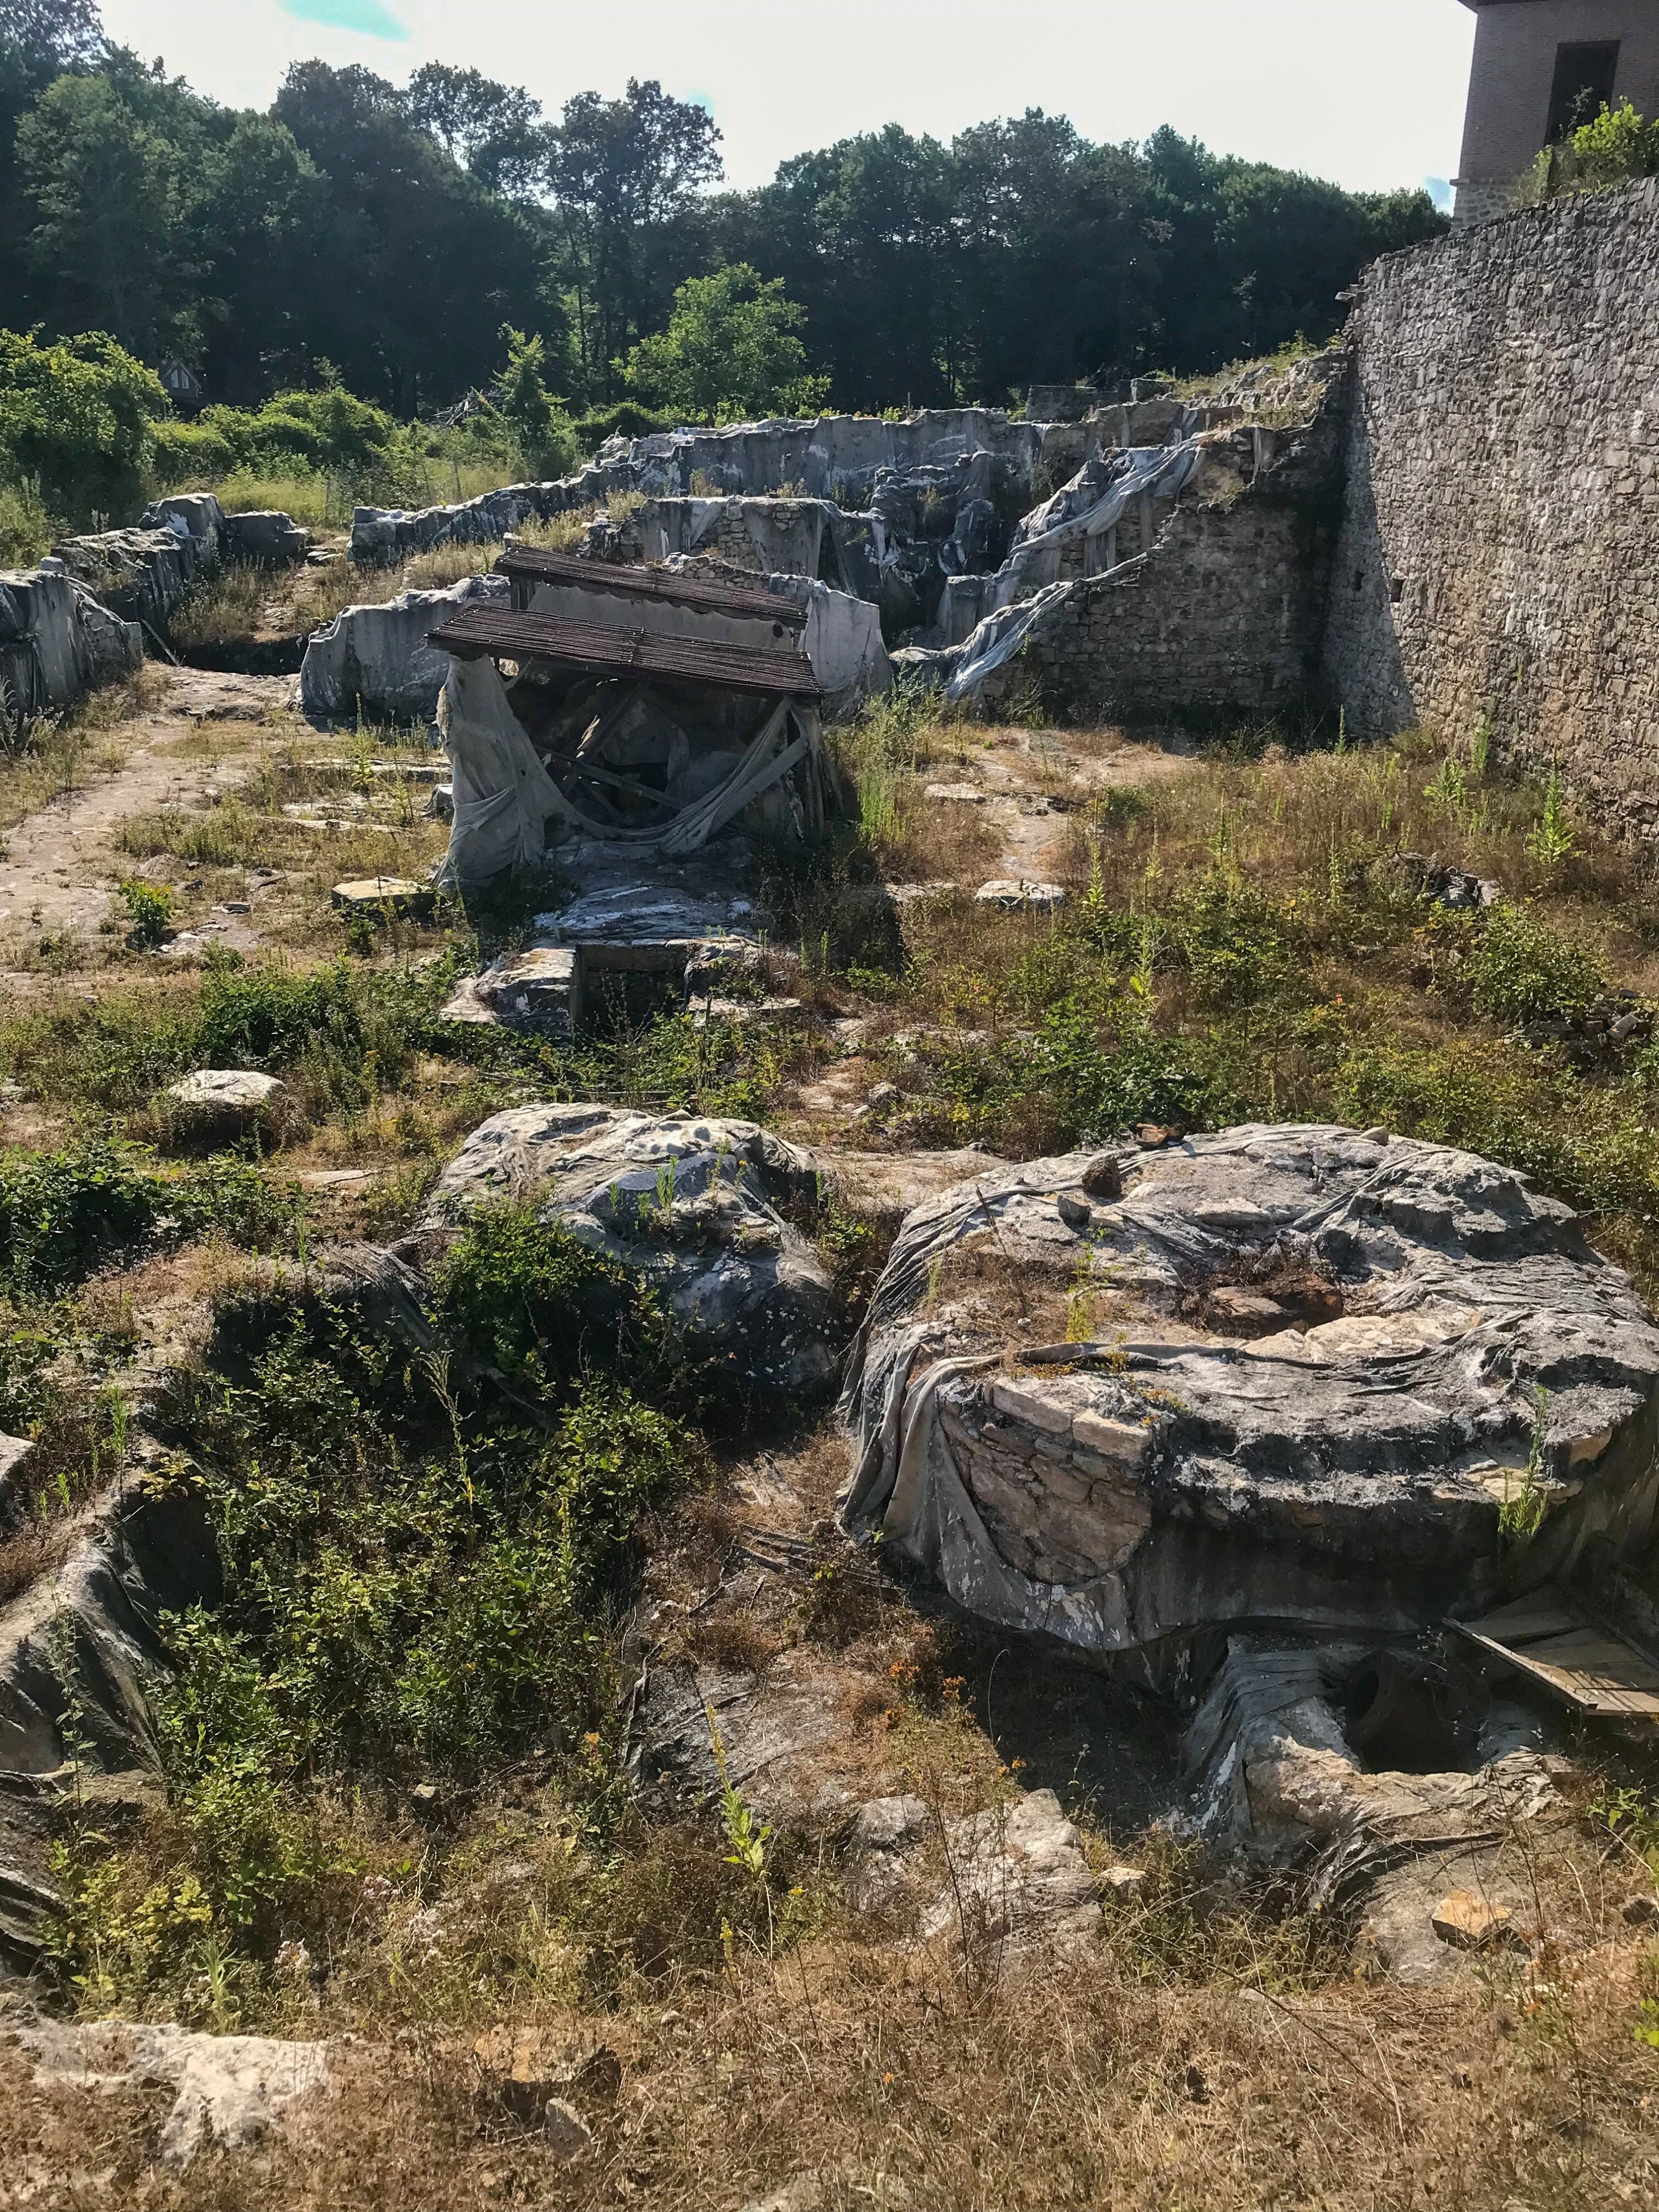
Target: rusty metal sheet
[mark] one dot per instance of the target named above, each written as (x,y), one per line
(650,581)
(1550,1640)
(784,672)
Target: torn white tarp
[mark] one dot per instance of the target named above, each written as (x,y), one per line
(842,641)
(998,637)
(505,799)
(503,795)
(1028,585)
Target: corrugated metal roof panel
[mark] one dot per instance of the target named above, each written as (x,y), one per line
(476,631)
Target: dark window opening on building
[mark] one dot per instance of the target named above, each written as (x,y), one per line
(1584,78)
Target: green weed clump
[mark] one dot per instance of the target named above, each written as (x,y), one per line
(1074,1081)
(1523,970)
(27,528)
(149,911)
(409,1589)
(523,1295)
(62,1214)
(341,1032)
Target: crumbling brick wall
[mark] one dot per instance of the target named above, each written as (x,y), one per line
(1224,616)
(1499,554)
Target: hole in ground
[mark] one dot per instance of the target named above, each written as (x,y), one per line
(1399,1716)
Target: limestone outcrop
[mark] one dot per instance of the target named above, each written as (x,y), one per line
(376,659)
(57,641)
(1293,1374)
(692,1205)
(230,2091)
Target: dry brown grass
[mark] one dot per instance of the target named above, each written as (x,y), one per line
(1127,2079)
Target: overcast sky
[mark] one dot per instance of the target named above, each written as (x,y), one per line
(1368,92)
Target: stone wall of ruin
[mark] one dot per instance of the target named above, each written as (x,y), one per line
(1224,615)
(1500,552)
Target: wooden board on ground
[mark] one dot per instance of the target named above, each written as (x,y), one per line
(1550,1640)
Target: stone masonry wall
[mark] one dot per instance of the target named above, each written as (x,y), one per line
(1500,552)
(1224,614)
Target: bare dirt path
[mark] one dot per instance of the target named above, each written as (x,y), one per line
(61,864)
(1030,782)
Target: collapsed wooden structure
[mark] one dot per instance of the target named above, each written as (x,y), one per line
(659,708)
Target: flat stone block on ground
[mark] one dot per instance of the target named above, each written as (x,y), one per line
(374,894)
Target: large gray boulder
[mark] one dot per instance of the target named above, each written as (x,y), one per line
(692,1205)
(265,538)
(139,574)
(1290,1374)
(376,659)
(57,641)
(195,516)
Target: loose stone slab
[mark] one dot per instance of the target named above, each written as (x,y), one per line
(955,794)
(1469,1922)
(375,894)
(1175,1471)
(225,1094)
(1016,896)
(230,2091)
(539,989)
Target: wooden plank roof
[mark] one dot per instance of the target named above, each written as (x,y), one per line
(650,581)
(1549,1639)
(784,672)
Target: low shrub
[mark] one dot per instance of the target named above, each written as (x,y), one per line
(26,529)
(62,1214)
(523,1295)
(1522,970)
(1074,1082)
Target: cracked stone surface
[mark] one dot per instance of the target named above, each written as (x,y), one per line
(691,1204)
(1012,1872)
(1168,1474)
(232,2090)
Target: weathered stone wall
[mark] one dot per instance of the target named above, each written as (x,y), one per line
(1499,551)
(1224,615)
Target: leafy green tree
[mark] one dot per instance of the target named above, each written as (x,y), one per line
(730,351)
(496,129)
(863,234)
(538,424)
(265,217)
(624,175)
(425,262)
(78,416)
(104,235)
(40,40)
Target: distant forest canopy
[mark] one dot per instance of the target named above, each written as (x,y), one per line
(381,237)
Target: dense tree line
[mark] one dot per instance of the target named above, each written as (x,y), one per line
(384,236)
